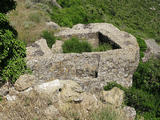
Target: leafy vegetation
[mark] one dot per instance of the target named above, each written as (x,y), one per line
(139,17)
(12,51)
(147,76)
(50,38)
(74,45)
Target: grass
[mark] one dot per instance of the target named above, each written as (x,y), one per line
(50,38)
(102,113)
(103,47)
(29,22)
(138,17)
(74,45)
(107,113)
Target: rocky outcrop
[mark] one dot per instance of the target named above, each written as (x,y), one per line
(61,82)
(49,100)
(114,65)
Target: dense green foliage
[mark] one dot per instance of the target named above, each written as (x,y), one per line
(147,76)
(146,104)
(74,45)
(50,38)
(12,51)
(139,17)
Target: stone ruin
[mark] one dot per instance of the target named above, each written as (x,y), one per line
(92,70)
(60,81)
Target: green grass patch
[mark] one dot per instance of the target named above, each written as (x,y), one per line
(74,45)
(103,47)
(50,38)
(138,17)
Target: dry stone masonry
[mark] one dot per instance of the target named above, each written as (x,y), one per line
(91,70)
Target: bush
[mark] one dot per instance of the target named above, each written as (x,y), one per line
(12,53)
(147,76)
(140,100)
(50,38)
(74,45)
(4,25)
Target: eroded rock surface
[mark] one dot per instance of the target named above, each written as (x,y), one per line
(114,65)
(52,100)
(61,82)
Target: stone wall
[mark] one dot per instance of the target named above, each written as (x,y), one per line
(91,70)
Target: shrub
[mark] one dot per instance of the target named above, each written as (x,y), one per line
(140,100)
(12,53)
(147,76)
(4,24)
(74,45)
(50,38)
